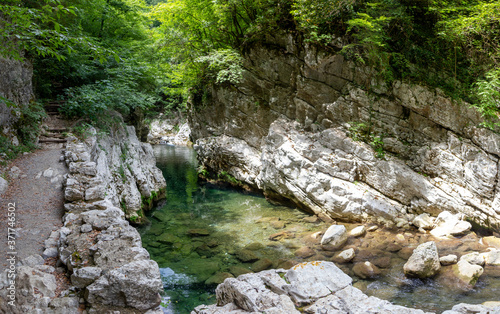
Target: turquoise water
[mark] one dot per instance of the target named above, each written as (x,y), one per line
(203,233)
(201,230)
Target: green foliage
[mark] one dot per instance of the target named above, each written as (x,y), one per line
(225,176)
(488,91)
(203,172)
(360,131)
(378,145)
(28,129)
(321,19)
(223,65)
(32,28)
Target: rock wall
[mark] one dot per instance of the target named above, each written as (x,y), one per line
(292,129)
(110,178)
(16,86)
(169,131)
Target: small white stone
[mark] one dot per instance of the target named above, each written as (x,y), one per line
(448,259)
(372,228)
(358,231)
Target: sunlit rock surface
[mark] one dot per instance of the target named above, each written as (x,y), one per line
(299,127)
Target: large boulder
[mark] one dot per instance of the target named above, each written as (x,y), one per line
(448,224)
(424,262)
(314,280)
(136,284)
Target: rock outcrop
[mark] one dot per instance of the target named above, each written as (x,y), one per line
(110,179)
(169,131)
(314,287)
(119,169)
(299,126)
(17,88)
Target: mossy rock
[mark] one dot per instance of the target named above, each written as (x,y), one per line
(261,265)
(246,256)
(218,278)
(205,250)
(198,232)
(161,216)
(154,244)
(168,238)
(156,230)
(256,246)
(239,270)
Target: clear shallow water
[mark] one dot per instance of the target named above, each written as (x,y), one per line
(202,230)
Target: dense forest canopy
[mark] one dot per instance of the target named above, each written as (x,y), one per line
(151,54)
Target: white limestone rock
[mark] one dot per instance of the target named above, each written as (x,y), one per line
(448,259)
(474,258)
(335,237)
(448,224)
(493,258)
(423,221)
(358,231)
(467,273)
(82,277)
(424,262)
(345,256)
(136,284)
(313,280)
(249,292)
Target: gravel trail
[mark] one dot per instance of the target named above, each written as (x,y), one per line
(35,186)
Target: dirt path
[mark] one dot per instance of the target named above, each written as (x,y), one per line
(35,186)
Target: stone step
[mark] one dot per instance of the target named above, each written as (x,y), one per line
(54,135)
(52,140)
(57,130)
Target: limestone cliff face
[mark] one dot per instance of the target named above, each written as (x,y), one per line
(110,178)
(290,129)
(118,168)
(16,86)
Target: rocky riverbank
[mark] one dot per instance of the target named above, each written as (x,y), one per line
(110,178)
(313,287)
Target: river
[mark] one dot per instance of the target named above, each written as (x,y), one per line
(203,233)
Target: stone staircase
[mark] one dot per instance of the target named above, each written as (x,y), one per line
(54,127)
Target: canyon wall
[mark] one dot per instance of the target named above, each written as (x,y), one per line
(17,88)
(301,126)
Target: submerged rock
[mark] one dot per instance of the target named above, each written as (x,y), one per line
(424,261)
(366,270)
(218,278)
(304,252)
(345,256)
(261,265)
(246,256)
